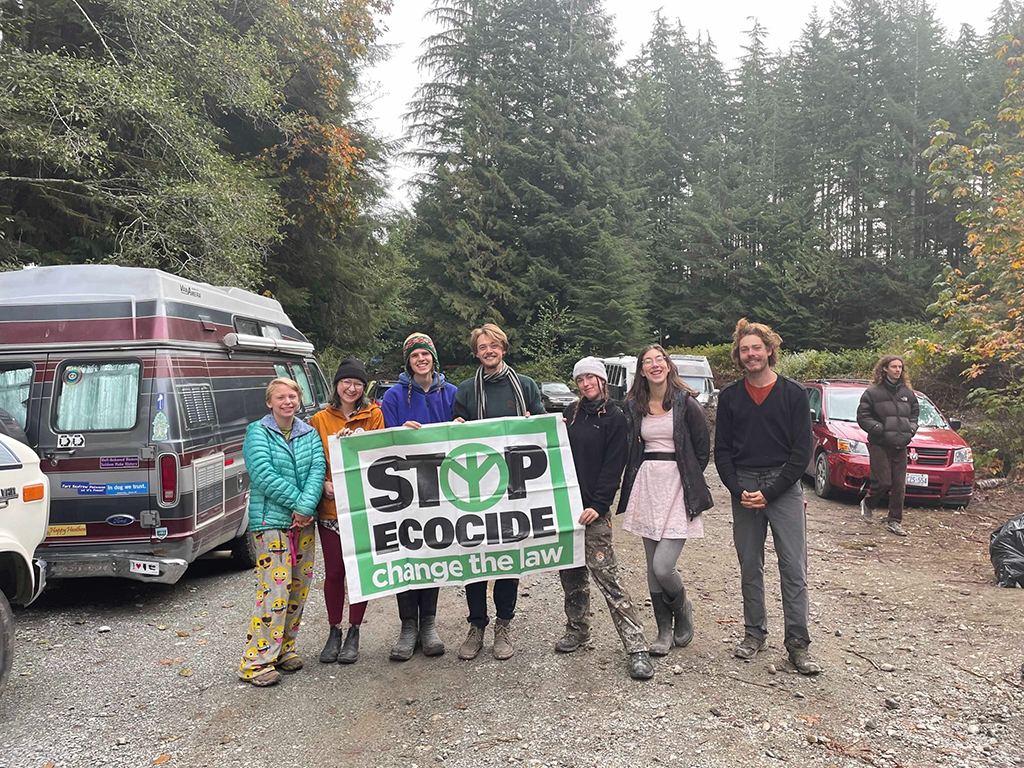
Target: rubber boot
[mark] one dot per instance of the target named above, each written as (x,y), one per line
(682,615)
(350,650)
(663,615)
(430,640)
(329,654)
(407,639)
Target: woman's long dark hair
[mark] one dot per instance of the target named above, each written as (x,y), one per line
(641,389)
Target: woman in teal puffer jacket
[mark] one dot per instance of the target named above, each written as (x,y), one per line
(286,465)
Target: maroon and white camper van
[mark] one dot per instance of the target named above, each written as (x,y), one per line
(135,388)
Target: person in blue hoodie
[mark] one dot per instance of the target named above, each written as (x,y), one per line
(421,397)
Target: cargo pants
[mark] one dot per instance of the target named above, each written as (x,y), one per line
(284,573)
(600,559)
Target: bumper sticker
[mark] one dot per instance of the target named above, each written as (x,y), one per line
(161,427)
(60,531)
(108,489)
(160,533)
(71,441)
(119,462)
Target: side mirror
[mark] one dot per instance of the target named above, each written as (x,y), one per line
(955,424)
(814,416)
(715,392)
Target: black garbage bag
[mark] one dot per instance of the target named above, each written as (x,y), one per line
(1006,548)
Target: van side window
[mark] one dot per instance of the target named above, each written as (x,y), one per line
(299,374)
(319,384)
(814,399)
(248,327)
(14,392)
(98,396)
(281,371)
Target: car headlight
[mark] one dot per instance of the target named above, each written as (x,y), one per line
(855,447)
(963,456)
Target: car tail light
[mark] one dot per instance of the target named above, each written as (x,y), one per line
(33,492)
(169,479)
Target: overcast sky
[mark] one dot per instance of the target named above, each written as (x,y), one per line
(392,83)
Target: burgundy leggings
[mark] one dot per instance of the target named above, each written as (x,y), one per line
(334,584)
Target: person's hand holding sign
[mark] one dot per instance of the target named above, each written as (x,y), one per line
(413,424)
(344,432)
(589,515)
(329,489)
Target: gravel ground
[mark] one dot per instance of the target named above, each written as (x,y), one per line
(922,658)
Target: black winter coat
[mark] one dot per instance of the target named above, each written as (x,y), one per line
(889,415)
(599,450)
(693,451)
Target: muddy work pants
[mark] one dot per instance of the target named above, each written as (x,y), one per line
(601,564)
(284,572)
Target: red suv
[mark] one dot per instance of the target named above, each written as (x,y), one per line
(940,467)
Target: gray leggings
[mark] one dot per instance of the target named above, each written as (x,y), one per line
(661,566)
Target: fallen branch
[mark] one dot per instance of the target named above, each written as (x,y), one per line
(860,655)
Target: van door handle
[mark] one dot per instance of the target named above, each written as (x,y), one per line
(55,453)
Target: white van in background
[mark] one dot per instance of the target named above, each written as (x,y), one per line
(695,370)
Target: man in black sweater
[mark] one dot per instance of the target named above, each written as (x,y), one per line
(763,444)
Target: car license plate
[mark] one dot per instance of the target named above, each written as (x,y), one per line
(919,481)
(145,567)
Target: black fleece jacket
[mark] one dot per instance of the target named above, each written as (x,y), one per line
(598,443)
(776,433)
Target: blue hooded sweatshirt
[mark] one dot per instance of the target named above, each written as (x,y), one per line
(402,403)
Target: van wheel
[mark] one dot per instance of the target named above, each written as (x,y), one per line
(243,551)
(6,641)
(10,427)
(822,483)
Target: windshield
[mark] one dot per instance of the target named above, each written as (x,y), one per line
(842,406)
(699,383)
(556,388)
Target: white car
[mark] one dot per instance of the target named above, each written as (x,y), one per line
(24,516)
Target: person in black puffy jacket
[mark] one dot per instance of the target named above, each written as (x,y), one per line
(888,412)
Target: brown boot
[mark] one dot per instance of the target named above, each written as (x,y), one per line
(473,643)
(503,648)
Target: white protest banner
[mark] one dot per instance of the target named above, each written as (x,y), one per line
(453,503)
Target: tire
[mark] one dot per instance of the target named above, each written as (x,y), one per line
(243,552)
(822,482)
(6,641)
(11,428)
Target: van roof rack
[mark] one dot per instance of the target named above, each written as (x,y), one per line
(839,380)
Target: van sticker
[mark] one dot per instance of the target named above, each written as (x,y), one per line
(125,489)
(72,376)
(160,399)
(85,488)
(61,531)
(160,533)
(119,462)
(120,520)
(76,440)
(161,427)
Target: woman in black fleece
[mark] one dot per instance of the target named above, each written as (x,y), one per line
(597,435)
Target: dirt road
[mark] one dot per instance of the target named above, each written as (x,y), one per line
(922,660)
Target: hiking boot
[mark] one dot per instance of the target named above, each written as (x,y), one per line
(865,510)
(503,648)
(896,528)
(572,640)
(801,659)
(748,648)
(329,654)
(405,647)
(293,664)
(473,643)
(350,650)
(266,679)
(662,615)
(431,641)
(639,666)
(682,615)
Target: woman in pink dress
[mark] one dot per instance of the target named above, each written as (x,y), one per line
(664,491)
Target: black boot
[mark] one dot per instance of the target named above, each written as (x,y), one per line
(429,639)
(682,613)
(407,639)
(639,666)
(350,650)
(329,654)
(662,615)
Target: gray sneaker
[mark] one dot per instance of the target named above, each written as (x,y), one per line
(865,510)
(749,647)
(897,528)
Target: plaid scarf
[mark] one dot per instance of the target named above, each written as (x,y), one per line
(504,372)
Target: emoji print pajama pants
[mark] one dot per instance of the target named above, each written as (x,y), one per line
(284,573)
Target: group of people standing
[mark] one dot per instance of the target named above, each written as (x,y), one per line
(656,446)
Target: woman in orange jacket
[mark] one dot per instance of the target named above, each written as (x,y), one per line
(349,411)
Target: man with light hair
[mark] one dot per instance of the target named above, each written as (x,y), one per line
(763,444)
(495,391)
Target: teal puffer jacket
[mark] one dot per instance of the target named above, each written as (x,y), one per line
(285,476)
